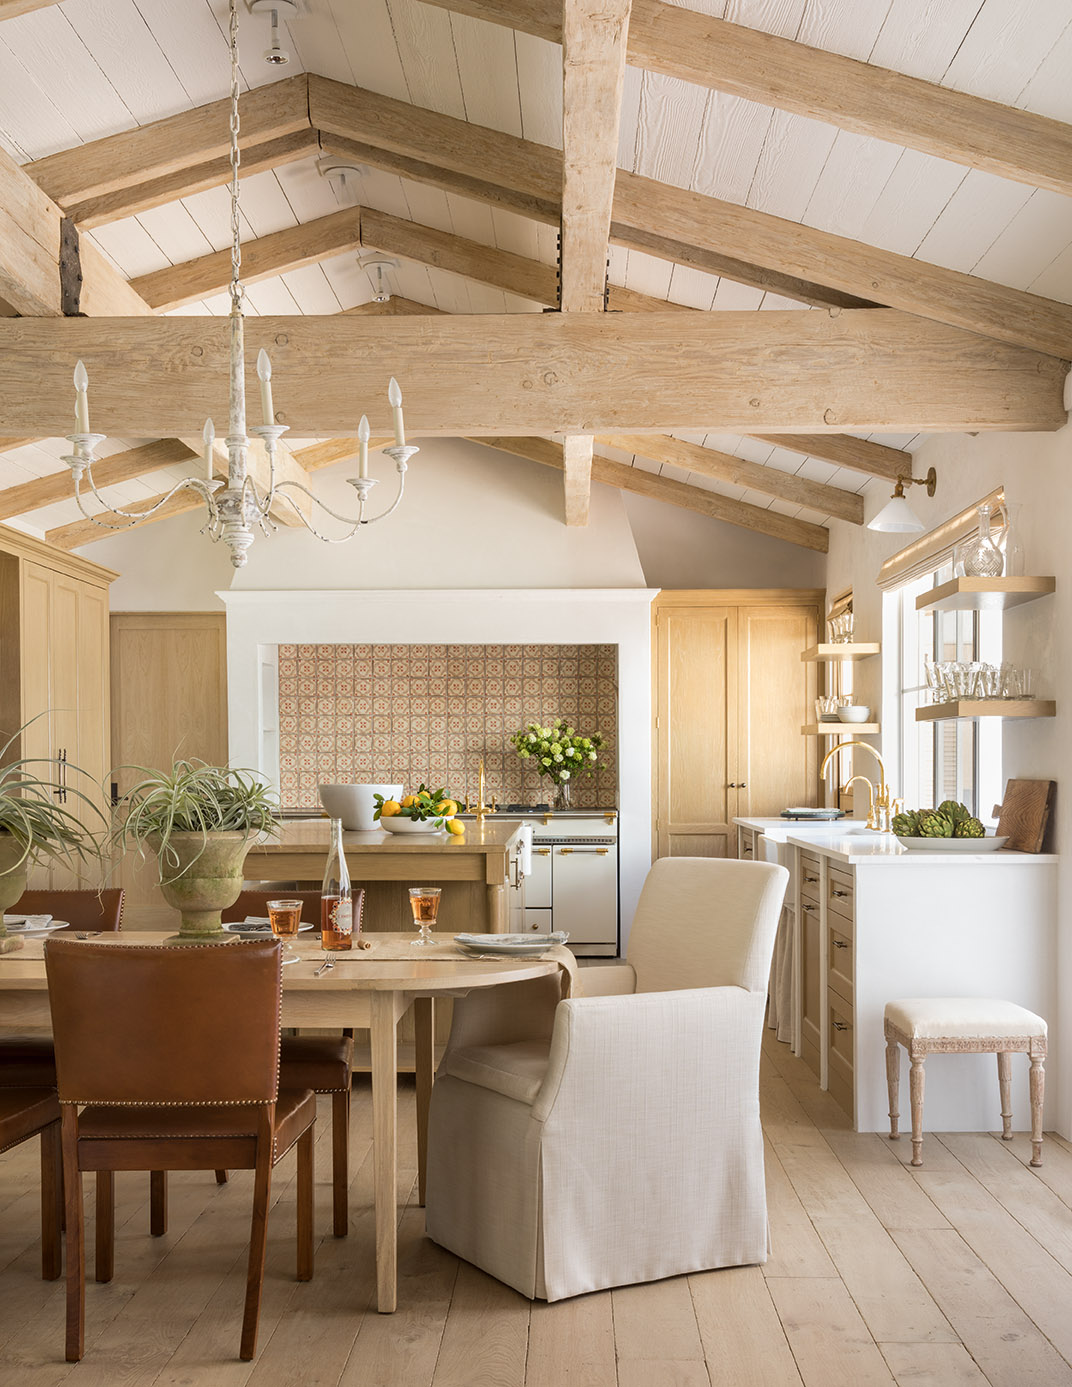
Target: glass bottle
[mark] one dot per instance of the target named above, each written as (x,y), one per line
(980,555)
(336,902)
(1012,543)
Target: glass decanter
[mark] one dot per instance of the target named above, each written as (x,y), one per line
(981,556)
(1012,543)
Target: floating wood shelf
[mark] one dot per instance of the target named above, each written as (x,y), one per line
(836,729)
(988,708)
(849,650)
(984,594)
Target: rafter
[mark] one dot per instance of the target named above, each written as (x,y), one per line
(626,478)
(79,532)
(858,454)
(10,9)
(852,95)
(519,373)
(769,481)
(120,467)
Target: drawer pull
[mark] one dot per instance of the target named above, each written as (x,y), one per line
(542,852)
(808,908)
(812,880)
(746,852)
(841,1026)
(564,852)
(840,944)
(840,894)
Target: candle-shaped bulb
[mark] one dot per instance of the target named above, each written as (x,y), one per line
(208,433)
(81,398)
(363,432)
(264,374)
(394,396)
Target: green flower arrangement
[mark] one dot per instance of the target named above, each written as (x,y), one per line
(558,751)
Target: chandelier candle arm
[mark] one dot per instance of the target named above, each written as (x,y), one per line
(264,375)
(394,399)
(81,399)
(363,432)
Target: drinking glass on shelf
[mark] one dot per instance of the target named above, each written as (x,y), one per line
(424,902)
(284,916)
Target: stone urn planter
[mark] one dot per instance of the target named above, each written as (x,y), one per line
(205,880)
(12,885)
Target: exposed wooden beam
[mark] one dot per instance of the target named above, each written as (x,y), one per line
(9,9)
(333,451)
(858,454)
(394,307)
(626,478)
(7,444)
(120,467)
(845,92)
(198,136)
(195,178)
(577,477)
(770,481)
(680,226)
(79,532)
(874,370)
(261,258)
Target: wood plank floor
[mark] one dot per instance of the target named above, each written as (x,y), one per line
(958,1273)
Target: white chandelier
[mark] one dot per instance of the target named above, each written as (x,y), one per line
(235,507)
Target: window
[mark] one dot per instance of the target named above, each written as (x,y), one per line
(956,759)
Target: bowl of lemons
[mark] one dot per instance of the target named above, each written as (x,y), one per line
(422,811)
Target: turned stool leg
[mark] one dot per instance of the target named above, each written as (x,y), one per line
(1037,1089)
(1005,1084)
(915,1089)
(893,1083)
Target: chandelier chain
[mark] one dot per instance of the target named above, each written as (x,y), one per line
(236,160)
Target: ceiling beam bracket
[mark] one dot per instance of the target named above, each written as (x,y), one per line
(70,268)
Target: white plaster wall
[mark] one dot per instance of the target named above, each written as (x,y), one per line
(680,549)
(257,621)
(1035,470)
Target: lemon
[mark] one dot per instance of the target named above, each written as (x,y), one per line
(455,826)
(409,801)
(447,807)
(389,808)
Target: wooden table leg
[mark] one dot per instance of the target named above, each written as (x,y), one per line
(384,1040)
(424,1028)
(496,909)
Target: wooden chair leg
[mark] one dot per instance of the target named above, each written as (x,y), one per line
(76,1251)
(104,1260)
(893,1084)
(1037,1084)
(305,1206)
(221,1177)
(1005,1085)
(340,1162)
(51,1203)
(158,1203)
(258,1238)
(915,1088)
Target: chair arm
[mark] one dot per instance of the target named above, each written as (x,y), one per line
(617,979)
(661,1049)
(516,1011)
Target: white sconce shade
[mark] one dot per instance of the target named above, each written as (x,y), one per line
(896,517)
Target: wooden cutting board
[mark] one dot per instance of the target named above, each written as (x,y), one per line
(1025,813)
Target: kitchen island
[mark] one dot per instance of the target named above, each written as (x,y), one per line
(477,870)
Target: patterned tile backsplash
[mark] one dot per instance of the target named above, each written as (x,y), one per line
(412,713)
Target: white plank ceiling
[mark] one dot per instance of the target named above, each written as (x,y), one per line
(87,68)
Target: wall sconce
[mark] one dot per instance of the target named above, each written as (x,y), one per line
(897,516)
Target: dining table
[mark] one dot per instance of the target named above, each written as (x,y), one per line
(369,987)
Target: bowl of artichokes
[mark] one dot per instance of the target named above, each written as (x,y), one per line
(950,828)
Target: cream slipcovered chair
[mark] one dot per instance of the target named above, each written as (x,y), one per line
(606,1140)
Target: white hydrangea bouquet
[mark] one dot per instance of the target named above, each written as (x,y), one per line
(558,751)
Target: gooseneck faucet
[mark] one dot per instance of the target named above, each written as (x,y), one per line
(881,809)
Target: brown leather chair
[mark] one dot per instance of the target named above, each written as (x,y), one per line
(26,1113)
(28,1061)
(168,1059)
(323,1063)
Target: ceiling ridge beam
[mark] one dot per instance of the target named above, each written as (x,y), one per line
(724,467)
(625,478)
(791,76)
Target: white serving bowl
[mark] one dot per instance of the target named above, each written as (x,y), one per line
(855,712)
(397,824)
(990,843)
(354,805)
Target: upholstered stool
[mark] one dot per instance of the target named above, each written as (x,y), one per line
(964,1026)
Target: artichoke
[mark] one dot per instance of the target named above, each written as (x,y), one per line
(933,823)
(907,824)
(969,828)
(954,810)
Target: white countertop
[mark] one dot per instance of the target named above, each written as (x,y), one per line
(781,829)
(865,849)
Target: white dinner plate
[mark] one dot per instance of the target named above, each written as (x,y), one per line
(256,927)
(32,924)
(509,945)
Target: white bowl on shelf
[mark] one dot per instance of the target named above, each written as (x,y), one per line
(854,712)
(354,805)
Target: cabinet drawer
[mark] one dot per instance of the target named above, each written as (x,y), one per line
(747,843)
(809,876)
(839,965)
(839,1067)
(538,883)
(538,921)
(840,892)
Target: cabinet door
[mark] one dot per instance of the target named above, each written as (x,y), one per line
(35,637)
(776,766)
(94,715)
(696,736)
(585,886)
(538,882)
(811,1019)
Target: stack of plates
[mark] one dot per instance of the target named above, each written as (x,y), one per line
(256,927)
(821,814)
(509,945)
(32,924)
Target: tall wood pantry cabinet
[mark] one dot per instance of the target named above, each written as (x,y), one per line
(54,672)
(731,695)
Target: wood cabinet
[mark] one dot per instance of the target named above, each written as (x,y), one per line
(731,693)
(55,671)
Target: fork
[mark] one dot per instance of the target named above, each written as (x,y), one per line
(86,934)
(324,967)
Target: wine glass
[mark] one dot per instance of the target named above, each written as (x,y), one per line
(424,902)
(284,916)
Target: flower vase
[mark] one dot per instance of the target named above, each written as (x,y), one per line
(562,795)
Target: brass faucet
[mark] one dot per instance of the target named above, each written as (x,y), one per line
(881,809)
(480,809)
